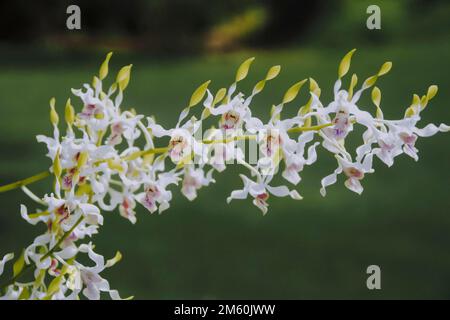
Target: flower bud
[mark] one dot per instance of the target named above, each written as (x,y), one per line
(54,118)
(69,113)
(103,72)
(57,170)
(123,77)
(82,159)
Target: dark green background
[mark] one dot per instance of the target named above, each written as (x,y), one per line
(314,248)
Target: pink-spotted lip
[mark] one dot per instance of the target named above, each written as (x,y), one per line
(261,199)
(117,127)
(126,206)
(340,124)
(53,267)
(231,116)
(177,140)
(409,139)
(72,237)
(152,190)
(353,172)
(227,126)
(177,145)
(149,202)
(63,210)
(339,132)
(67,181)
(294,167)
(272,142)
(88,110)
(230,120)
(386,146)
(262,196)
(191,182)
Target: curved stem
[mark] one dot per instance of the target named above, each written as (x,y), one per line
(32,196)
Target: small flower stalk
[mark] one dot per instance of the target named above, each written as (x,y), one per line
(111,158)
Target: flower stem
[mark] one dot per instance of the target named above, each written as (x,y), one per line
(45,256)
(311,128)
(140,153)
(24,182)
(245,137)
(64,237)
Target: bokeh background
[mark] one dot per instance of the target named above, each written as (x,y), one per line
(315,248)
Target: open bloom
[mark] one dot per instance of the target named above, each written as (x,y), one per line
(295,160)
(182,146)
(260,191)
(89,277)
(354,171)
(156,196)
(193,180)
(401,138)
(233,114)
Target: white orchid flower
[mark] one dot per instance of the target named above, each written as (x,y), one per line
(295,161)
(182,142)
(261,191)
(354,171)
(233,114)
(193,180)
(155,195)
(80,275)
(95,111)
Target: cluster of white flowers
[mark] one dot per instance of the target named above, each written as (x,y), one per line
(108,159)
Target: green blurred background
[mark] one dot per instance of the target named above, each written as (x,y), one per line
(315,248)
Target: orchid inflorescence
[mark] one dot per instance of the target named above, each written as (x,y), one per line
(98,164)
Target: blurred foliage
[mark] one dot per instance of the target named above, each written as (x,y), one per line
(188,26)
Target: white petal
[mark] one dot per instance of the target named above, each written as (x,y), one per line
(91,292)
(431,129)
(4,260)
(157,130)
(411,151)
(367,163)
(261,206)
(312,154)
(354,185)
(337,86)
(280,191)
(96,258)
(329,180)
(238,194)
(295,195)
(292,176)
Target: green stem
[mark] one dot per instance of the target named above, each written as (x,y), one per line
(64,237)
(141,153)
(311,128)
(247,137)
(24,182)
